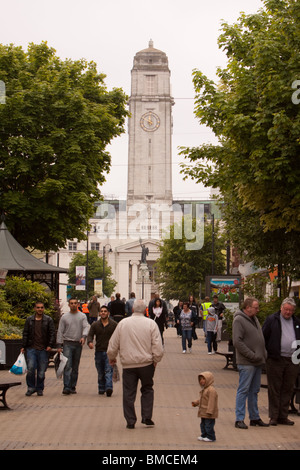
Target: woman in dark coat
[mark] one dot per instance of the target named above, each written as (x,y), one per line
(158,313)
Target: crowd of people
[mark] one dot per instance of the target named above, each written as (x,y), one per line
(124,328)
(188,316)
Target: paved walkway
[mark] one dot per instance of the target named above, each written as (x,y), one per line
(88,421)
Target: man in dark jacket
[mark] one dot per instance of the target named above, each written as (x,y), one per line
(38,340)
(117,308)
(281,331)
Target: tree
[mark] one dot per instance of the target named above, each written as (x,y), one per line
(275,250)
(255,114)
(180,272)
(56,123)
(95,271)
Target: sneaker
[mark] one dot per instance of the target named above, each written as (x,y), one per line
(200,438)
(206,439)
(184,351)
(39,393)
(109,392)
(209,353)
(190,350)
(66,391)
(29,393)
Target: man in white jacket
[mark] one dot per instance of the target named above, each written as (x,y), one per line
(138,341)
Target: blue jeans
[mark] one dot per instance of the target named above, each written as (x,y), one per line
(186,336)
(249,386)
(207,426)
(105,371)
(73,352)
(37,363)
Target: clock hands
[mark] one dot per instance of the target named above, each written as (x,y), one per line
(150,121)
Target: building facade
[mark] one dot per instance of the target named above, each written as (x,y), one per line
(119,229)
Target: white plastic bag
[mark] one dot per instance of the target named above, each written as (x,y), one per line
(60,362)
(20,366)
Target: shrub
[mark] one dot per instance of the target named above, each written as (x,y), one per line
(22,294)
(10,332)
(17,299)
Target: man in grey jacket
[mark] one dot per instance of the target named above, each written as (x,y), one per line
(249,343)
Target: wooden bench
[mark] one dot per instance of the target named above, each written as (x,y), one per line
(230,359)
(3,389)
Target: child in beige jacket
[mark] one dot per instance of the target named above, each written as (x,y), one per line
(208,407)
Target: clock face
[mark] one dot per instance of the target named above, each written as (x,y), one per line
(150,122)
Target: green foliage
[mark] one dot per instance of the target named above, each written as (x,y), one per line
(12,320)
(255,285)
(17,299)
(271,250)
(5,306)
(252,113)
(55,126)
(8,331)
(95,270)
(22,294)
(180,271)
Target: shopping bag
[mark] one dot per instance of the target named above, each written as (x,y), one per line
(59,363)
(116,375)
(20,366)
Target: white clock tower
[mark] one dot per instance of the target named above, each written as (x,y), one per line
(150,130)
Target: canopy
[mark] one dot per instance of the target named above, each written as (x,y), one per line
(13,257)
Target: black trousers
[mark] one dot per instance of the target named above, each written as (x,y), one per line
(282,375)
(130,383)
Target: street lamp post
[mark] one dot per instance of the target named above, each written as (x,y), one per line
(213,245)
(103,257)
(87,267)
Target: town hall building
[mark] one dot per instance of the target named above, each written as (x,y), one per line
(128,233)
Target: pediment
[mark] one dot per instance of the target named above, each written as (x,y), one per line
(135,246)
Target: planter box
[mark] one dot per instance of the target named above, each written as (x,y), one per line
(12,351)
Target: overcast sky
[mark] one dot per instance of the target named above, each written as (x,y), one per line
(111,32)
